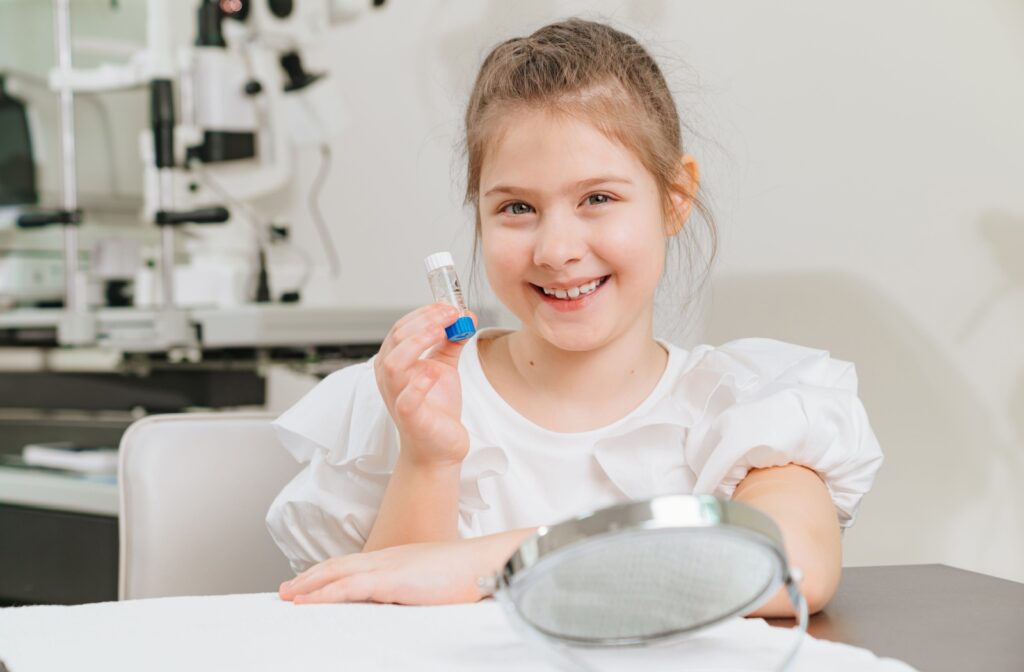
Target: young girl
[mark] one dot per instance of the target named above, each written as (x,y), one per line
(429,465)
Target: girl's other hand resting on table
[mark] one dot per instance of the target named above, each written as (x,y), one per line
(426,573)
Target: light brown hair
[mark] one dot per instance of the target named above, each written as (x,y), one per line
(592,71)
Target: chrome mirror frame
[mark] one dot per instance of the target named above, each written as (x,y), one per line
(672,514)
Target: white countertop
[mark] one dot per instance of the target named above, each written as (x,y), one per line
(54,490)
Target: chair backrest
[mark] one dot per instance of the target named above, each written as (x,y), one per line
(195,488)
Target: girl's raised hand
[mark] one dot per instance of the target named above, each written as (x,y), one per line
(417,374)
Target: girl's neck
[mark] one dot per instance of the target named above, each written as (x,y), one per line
(570,391)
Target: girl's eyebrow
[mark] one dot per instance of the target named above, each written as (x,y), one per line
(582,184)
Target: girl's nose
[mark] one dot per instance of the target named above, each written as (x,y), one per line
(560,241)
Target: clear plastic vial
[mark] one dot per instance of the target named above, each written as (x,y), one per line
(444,283)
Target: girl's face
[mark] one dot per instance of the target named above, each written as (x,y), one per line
(572,231)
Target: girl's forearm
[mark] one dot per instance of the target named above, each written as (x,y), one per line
(421,504)
(799,503)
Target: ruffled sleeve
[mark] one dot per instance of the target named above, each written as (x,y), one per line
(342,431)
(762,403)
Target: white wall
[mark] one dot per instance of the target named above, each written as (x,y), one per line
(865,163)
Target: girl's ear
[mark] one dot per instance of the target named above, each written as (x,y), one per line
(681,194)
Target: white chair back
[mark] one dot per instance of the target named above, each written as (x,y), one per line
(195,488)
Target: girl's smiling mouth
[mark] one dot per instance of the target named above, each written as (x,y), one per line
(572,297)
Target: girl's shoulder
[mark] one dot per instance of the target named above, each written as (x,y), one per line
(345,408)
(749,361)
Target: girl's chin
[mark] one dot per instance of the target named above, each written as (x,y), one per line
(572,338)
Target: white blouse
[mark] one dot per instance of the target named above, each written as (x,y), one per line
(715,414)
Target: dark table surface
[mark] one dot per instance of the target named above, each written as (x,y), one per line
(933,617)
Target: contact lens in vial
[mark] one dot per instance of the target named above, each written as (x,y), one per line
(444,283)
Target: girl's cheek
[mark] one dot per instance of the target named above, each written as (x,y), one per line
(505,260)
(619,237)
(507,247)
(623,247)
(637,235)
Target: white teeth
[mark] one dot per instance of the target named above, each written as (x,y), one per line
(574,292)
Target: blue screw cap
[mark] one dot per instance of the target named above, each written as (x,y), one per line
(462,329)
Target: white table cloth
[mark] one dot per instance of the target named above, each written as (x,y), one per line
(259,632)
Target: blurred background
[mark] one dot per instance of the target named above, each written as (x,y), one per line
(863,163)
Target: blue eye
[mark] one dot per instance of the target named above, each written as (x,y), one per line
(597,199)
(517,208)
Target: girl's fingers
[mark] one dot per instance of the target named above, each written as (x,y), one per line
(416,391)
(319,575)
(399,327)
(355,588)
(415,323)
(400,361)
(448,351)
(435,314)
(386,344)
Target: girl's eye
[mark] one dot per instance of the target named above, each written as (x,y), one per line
(597,199)
(517,208)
